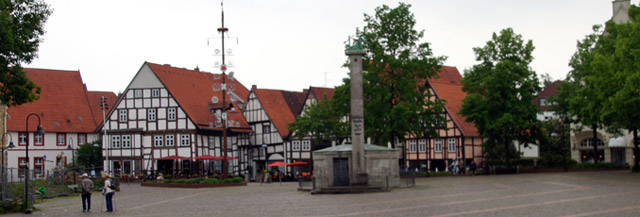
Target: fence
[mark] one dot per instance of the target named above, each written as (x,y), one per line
(42,184)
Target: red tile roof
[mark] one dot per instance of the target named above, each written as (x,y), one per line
(95,98)
(551,90)
(319,92)
(63,105)
(448,88)
(276,107)
(295,100)
(193,91)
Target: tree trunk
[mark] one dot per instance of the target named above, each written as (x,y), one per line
(506,146)
(595,143)
(636,151)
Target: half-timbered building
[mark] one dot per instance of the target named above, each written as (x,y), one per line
(269,113)
(67,115)
(459,140)
(168,116)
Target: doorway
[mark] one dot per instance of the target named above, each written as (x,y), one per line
(618,156)
(340,172)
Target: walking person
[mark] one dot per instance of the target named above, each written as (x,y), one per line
(108,190)
(87,185)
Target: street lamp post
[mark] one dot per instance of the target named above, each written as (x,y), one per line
(4,177)
(73,158)
(39,131)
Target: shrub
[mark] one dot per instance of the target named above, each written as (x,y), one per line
(10,207)
(238,179)
(181,181)
(196,180)
(228,180)
(211,181)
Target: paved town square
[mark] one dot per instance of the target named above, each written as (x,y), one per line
(609,193)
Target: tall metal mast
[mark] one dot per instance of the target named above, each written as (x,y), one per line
(223,68)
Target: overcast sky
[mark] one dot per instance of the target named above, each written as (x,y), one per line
(291,44)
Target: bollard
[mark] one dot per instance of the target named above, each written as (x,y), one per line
(387,179)
(314,184)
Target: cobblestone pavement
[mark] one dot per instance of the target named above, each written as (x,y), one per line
(611,193)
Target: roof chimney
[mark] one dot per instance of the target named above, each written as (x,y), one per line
(621,11)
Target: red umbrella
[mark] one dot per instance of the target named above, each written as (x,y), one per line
(298,163)
(206,157)
(172,158)
(277,164)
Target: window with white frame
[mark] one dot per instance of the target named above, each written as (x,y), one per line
(82,138)
(115,141)
(151,114)
(306,145)
(170,140)
(295,145)
(437,147)
(157,141)
(451,144)
(137,93)
(155,92)
(38,139)
(412,146)
(212,142)
(123,115)
(61,139)
(171,114)
(185,140)
(22,139)
(422,145)
(126,141)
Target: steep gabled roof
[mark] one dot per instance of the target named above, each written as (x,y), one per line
(63,105)
(448,87)
(95,98)
(319,92)
(193,91)
(277,108)
(295,100)
(551,90)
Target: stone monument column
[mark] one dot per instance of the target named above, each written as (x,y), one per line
(358,169)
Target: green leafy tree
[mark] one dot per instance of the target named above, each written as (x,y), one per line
(397,66)
(499,93)
(88,155)
(322,121)
(616,58)
(21,25)
(580,91)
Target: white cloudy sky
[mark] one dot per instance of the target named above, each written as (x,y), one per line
(291,44)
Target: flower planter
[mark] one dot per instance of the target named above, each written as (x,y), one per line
(190,185)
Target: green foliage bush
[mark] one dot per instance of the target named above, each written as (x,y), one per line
(196,180)
(228,180)
(211,181)
(514,162)
(238,179)
(10,207)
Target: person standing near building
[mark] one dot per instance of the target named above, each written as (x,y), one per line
(108,191)
(87,185)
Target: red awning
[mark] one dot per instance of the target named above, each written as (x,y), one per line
(172,158)
(298,163)
(277,164)
(206,157)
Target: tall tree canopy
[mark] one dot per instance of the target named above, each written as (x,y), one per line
(21,25)
(323,121)
(396,67)
(616,59)
(499,93)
